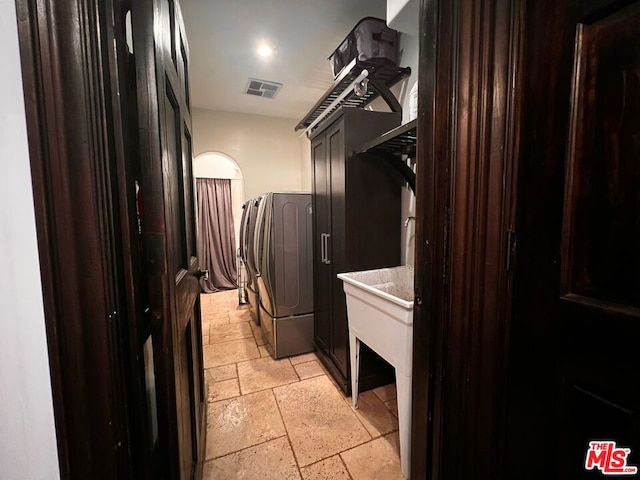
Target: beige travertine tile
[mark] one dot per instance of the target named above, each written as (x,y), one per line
(222,390)
(309,369)
(272,460)
(230,352)
(228,296)
(238,315)
(392,405)
(217,306)
(264,373)
(233,305)
(210,307)
(206,298)
(376,460)
(263,351)
(374,414)
(217,297)
(257,333)
(334,382)
(305,357)
(209,320)
(385,393)
(232,331)
(205,325)
(319,422)
(324,368)
(225,372)
(205,339)
(328,469)
(242,422)
(210,301)
(246,434)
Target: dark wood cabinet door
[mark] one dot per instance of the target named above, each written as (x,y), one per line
(321,227)
(337,245)
(357,204)
(168,230)
(574,336)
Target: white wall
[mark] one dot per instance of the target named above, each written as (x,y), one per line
(267,149)
(28,448)
(215,165)
(409,48)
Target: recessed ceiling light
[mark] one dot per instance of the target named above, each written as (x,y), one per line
(265,50)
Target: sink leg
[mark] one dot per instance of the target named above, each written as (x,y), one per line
(403,385)
(354,352)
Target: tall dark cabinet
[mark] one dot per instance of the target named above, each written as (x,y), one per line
(357,221)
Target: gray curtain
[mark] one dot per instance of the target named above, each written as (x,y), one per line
(216,241)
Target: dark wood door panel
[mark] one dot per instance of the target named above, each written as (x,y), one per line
(589,416)
(182,53)
(173,167)
(71,85)
(188,188)
(575,327)
(527,237)
(169,30)
(601,261)
(356,227)
(337,244)
(166,141)
(188,447)
(321,212)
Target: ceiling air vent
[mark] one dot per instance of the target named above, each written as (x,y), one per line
(262,88)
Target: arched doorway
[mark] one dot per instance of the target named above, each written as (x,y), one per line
(219,183)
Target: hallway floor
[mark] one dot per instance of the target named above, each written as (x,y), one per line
(286,419)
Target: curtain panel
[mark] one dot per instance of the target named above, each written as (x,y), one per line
(216,243)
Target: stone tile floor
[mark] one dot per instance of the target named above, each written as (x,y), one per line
(286,419)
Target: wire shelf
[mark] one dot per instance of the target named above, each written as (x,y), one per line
(382,73)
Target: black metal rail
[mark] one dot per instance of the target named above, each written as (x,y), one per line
(392,146)
(381,78)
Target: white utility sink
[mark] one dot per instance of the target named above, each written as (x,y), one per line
(380,312)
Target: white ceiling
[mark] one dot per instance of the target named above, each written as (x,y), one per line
(223,35)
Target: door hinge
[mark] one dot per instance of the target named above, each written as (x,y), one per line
(511,249)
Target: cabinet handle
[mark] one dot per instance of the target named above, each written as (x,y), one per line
(322,253)
(326,248)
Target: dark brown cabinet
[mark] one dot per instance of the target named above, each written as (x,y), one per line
(357,222)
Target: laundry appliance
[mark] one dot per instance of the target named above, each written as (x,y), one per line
(251,213)
(284,262)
